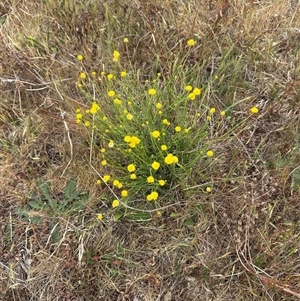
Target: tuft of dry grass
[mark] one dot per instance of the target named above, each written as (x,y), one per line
(240,242)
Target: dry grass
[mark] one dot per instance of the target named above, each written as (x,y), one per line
(243,243)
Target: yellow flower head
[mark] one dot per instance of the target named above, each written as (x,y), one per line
(191,42)
(152,91)
(212,110)
(131,167)
(123,73)
(178,129)
(83,75)
(100,217)
(169,159)
(111,93)
(116,56)
(106,178)
(197,91)
(116,183)
(254,110)
(163,147)
(110,76)
(124,193)
(166,121)
(129,116)
(103,162)
(152,196)
(79,57)
(115,203)
(158,105)
(111,143)
(188,88)
(162,182)
(208,189)
(117,101)
(125,40)
(192,96)
(150,179)
(133,176)
(209,153)
(155,165)
(155,134)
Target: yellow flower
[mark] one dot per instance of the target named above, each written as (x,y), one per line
(129,116)
(192,96)
(155,165)
(133,176)
(166,121)
(95,108)
(161,182)
(178,129)
(110,76)
(79,57)
(223,113)
(150,179)
(164,147)
(125,40)
(208,189)
(82,75)
(102,73)
(87,123)
(111,143)
(197,91)
(131,167)
(111,93)
(254,110)
(106,178)
(152,196)
(208,118)
(103,162)
(133,141)
(169,159)
(98,182)
(188,88)
(100,217)
(174,159)
(127,139)
(103,150)
(115,203)
(79,116)
(212,110)
(93,73)
(158,105)
(120,185)
(116,183)
(155,134)
(186,130)
(117,101)
(124,193)
(152,91)
(116,56)
(191,42)
(209,153)
(123,73)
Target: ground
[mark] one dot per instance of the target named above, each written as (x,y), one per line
(239,241)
